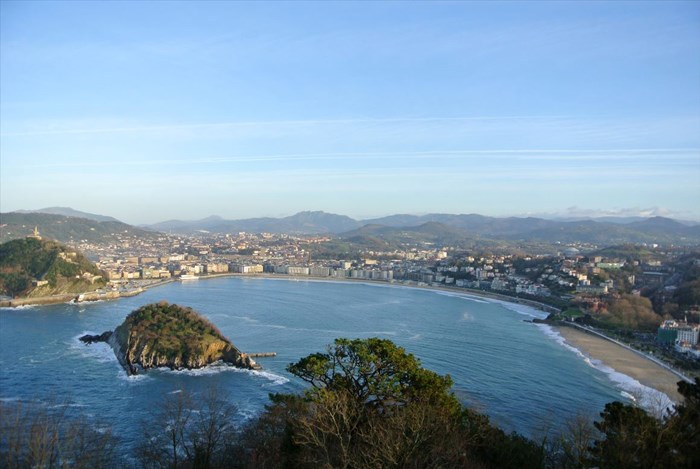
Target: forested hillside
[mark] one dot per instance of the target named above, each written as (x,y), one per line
(33,267)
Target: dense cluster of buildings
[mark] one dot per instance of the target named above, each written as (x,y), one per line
(566,276)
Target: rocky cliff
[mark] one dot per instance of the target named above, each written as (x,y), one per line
(165,335)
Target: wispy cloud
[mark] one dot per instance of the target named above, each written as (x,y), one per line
(644,212)
(691,155)
(60,129)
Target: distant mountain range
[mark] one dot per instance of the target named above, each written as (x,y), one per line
(301,223)
(463,229)
(448,227)
(664,231)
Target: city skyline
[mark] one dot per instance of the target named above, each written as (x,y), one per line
(154,111)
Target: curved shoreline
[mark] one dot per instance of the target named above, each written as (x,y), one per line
(92,296)
(667,388)
(398,283)
(79,297)
(610,354)
(466,292)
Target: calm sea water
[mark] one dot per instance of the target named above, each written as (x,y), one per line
(517,372)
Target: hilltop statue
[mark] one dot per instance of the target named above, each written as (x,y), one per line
(35,234)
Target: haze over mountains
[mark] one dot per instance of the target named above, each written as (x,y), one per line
(69,212)
(66,224)
(451,227)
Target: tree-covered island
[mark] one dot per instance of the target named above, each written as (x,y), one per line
(172,336)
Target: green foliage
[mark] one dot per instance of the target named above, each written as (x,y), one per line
(168,330)
(375,372)
(23,260)
(631,312)
(631,438)
(371,404)
(683,427)
(688,294)
(629,252)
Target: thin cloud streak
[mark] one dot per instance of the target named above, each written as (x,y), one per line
(234,124)
(517,155)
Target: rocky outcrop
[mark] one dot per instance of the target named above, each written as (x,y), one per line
(90,339)
(164,335)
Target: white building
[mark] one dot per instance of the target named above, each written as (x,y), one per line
(294,270)
(688,335)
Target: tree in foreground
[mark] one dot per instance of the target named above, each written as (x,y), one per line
(631,438)
(41,435)
(371,404)
(189,432)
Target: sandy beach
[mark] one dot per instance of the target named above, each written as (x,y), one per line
(624,361)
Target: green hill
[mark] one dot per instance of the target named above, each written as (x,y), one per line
(31,267)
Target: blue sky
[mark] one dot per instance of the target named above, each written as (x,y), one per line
(153,111)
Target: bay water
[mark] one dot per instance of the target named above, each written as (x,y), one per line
(519,373)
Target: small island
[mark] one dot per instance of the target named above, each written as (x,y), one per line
(172,336)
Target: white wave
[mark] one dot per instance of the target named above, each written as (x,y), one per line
(177,391)
(276,379)
(100,351)
(18,308)
(103,429)
(415,337)
(62,406)
(525,310)
(83,304)
(132,379)
(247,414)
(10,399)
(324,331)
(247,319)
(220,367)
(464,296)
(648,398)
(466,316)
